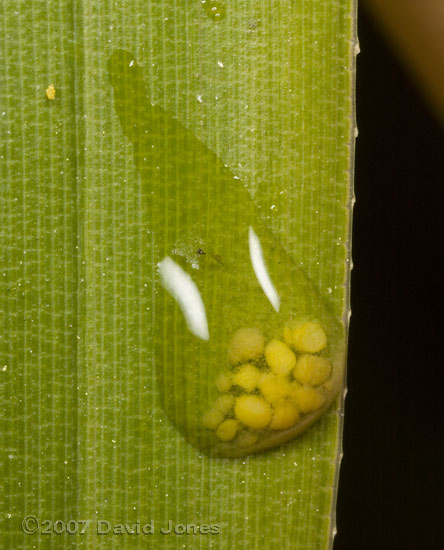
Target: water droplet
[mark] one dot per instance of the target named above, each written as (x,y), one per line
(215,9)
(228,312)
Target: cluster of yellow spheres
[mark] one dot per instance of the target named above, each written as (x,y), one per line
(270,386)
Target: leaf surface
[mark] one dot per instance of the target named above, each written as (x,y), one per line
(266,90)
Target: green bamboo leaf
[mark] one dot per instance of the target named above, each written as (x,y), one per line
(176,138)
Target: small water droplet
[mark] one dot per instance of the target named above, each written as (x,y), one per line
(199,98)
(215,9)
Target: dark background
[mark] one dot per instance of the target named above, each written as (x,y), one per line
(391,493)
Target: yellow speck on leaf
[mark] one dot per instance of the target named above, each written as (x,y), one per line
(279,357)
(247,377)
(253,411)
(50,92)
(227,430)
(247,344)
(312,370)
(307,337)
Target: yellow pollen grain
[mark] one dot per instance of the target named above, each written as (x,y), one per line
(227,430)
(312,370)
(246,439)
(247,377)
(306,399)
(279,357)
(246,345)
(273,388)
(224,403)
(285,416)
(224,382)
(212,418)
(252,411)
(306,337)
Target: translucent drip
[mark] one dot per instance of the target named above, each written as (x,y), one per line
(247,354)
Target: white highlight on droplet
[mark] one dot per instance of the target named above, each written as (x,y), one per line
(260,269)
(184,290)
